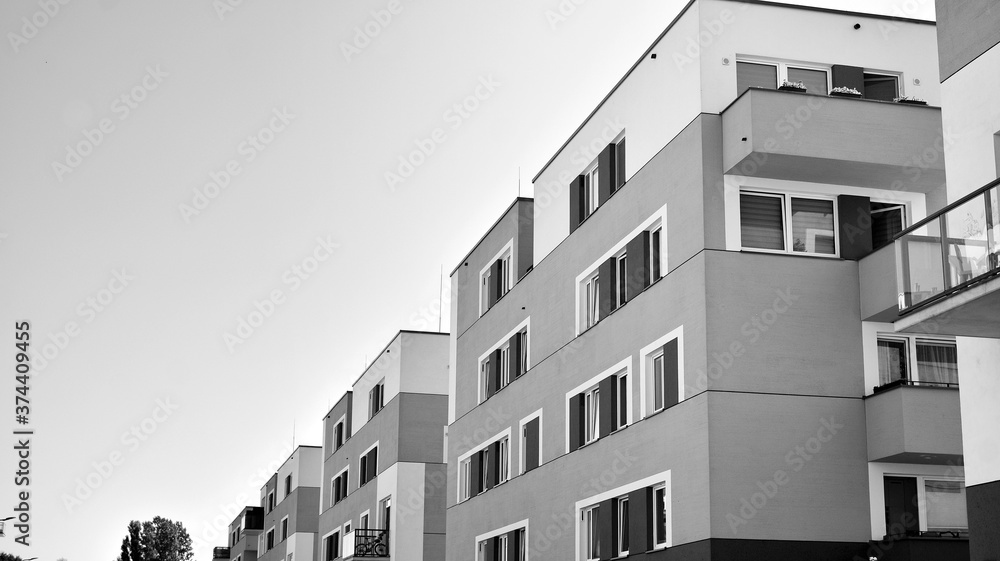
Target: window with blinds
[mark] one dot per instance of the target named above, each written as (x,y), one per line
(761,221)
(781,222)
(881,87)
(754,75)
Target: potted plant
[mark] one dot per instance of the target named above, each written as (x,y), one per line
(910,100)
(844,91)
(792,86)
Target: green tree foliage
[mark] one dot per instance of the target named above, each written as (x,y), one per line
(158,539)
(9,557)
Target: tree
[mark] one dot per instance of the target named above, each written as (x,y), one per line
(158,539)
(9,557)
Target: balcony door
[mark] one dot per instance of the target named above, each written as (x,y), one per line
(902,515)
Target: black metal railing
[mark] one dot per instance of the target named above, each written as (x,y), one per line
(371,543)
(920,383)
(952,249)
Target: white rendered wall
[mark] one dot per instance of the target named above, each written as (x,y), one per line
(425,364)
(385,366)
(979,391)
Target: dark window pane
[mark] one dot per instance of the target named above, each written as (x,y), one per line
(812,226)
(887,221)
(880,87)
(813,80)
(760,222)
(755,75)
(891,361)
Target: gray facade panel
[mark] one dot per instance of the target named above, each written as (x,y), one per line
(965,30)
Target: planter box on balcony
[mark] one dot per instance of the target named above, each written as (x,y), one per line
(845,94)
(912,102)
(791,89)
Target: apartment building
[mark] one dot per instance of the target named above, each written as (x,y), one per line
(290,501)
(383,459)
(685,346)
(244,534)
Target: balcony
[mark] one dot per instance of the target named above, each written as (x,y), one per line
(220,553)
(915,423)
(366,544)
(806,137)
(948,268)
(927,546)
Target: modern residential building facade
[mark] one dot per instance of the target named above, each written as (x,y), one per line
(290,501)
(244,534)
(383,458)
(676,350)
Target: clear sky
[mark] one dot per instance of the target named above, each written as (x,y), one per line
(151,397)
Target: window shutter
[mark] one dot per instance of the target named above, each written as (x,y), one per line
(670,373)
(514,356)
(848,77)
(620,165)
(605,522)
(608,421)
(494,284)
(495,358)
(475,475)
(491,468)
(638,264)
(372,464)
(753,75)
(640,518)
(606,172)
(606,290)
(576,203)
(531,448)
(855,217)
(513,545)
(575,422)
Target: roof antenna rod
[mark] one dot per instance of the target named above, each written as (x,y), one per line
(293,434)
(440,298)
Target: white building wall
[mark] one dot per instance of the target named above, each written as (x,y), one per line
(979,392)
(425,364)
(385,366)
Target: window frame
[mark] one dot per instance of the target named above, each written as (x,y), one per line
(782,67)
(591,517)
(376,398)
(284,529)
(504,366)
(591,188)
(623,394)
(888,74)
(921,481)
(655,251)
(912,365)
(622,514)
(465,479)
(592,301)
(787,222)
(523,440)
(659,542)
(503,462)
(621,272)
(592,414)
(484,378)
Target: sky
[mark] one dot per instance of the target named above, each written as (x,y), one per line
(207,224)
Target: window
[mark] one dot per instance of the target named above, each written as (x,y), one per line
(522,349)
(592,301)
(917,361)
(331,547)
(622,405)
(503,467)
(883,87)
(284,528)
(484,479)
(659,384)
(659,516)
(484,380)
(347,527)
(504,365)
(502,546)
(465,479)
(364,522)
(915,504)
(888,219)
(769,75)
(338,435)
(288,485)
(506,274)
(368,466)
(654,254)
(591,181)
(385,512)
(764,220)
(623,527)
(497,278)
(622,288)
(270,501)
(592,414)
(339,486)
(592,533)
(530,456)
(484,291)
(375,398)
(270,540)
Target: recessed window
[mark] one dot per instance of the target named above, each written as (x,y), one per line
(331,547)
(888,219)
(522,349)
(270,540)
(376,397)
(659,515)
(882,87)
(284,529)
(622,404)
(943,508)
(592,415)
(465,479)
(770,75)
(917,361)
(622,274)
(815,81)
(288,485)
(623,526)
(484,291)
(765,220)
(504,365)
(591,183)
(592,533)
(654,253)
(592,300)
(484,379)
(503,466)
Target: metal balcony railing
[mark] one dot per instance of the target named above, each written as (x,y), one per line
(371,543)
(950,250)
(898,383)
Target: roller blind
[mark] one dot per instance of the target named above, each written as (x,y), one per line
(761,222)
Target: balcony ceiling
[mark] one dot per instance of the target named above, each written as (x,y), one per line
(974,312)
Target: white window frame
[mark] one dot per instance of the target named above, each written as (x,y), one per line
(323,550)
(347,528)
(591,414)
(483,446)
(783,66)
(659,479)
(385,512)
(890,74)
(646,385)
(364,521)
(522,450)
(502,546)
(623,528)
(525,325)
(271,502)
(786,221)
(283,525)
(592,187)
(592,301)
(665,514)
(657,220)
(484,378)
(520,525)
(591,532)
(342,422)
(623,365)
(623,376)
(465,480)
(364,457)
(270,532)
(504,366)
(503,470)
(377,390)
(656,256)
(911,341)
(621,280)
(506,254)
(333,493)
